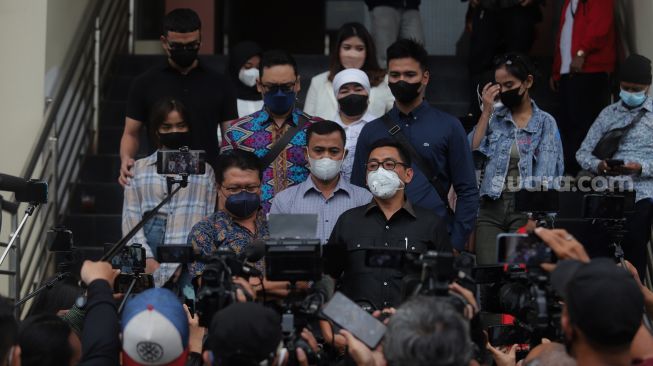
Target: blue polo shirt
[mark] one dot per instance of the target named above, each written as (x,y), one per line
(441,141)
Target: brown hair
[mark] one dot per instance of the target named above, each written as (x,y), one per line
(159,114)
(371,67)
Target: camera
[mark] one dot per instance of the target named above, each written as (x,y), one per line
(182,161)
(131,263)
(217,290)
(519,287)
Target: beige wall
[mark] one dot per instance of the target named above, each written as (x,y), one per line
(641,26)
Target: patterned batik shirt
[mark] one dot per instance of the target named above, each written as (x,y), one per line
(220,230)
(258,133)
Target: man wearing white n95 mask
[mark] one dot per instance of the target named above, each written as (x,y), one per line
(324,192)
(389,223)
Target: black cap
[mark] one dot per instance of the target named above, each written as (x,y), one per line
(245,331)
(636,69)
(603,300)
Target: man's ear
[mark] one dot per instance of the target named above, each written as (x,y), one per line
(529,82)
(409,175)
(298,85)
(426,77)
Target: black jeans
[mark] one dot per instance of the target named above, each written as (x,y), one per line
(638,226)
(582,97)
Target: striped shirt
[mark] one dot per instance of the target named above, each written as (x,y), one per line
(147,189)
(305,198)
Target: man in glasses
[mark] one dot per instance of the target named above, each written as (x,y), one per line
(388,227)
(277,133)
(208,95)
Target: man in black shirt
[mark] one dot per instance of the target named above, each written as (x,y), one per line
(389,222)
(208,96)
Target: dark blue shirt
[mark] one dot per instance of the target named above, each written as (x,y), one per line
(441,141)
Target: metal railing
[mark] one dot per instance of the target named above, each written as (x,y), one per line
(70,130)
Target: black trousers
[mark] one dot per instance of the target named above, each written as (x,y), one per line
(495,32)
(638,226)
(582,97)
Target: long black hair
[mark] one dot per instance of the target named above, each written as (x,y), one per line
(371,67)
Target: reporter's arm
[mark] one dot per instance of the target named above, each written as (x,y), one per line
(100,337)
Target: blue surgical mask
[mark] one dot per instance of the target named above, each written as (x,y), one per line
(279,102)
(243,204)
(632,99)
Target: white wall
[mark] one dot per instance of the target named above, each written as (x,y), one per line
(641,26)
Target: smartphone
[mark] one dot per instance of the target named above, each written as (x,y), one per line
(175,254)
(546,201)
(191,162)
(143,282)
(507,335)
(131,258)
(528,249)
(614,162)
(351,317)
(603,207)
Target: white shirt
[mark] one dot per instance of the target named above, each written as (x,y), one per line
(352,130)
(247,107)
(566,36)
(321,102)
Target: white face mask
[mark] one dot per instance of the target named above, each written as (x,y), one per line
(248,76)
(383,183)
(324,169)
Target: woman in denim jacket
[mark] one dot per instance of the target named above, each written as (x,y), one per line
(522,148)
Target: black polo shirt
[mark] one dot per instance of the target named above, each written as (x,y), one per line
(209,98)
(413,229)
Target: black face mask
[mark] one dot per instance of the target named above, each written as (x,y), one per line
(404,92)
(353,104)
(512,98)
(183,57)
(174,140)
(243,204)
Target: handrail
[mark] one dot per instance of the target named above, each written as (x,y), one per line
(69,130)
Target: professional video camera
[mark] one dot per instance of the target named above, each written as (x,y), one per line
(217,290)
(518,286)
(293,254)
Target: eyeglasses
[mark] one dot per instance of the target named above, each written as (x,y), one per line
(373,165)
(284,88)
(184,46)
(238,189)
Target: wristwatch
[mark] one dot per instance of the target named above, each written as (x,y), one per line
(580,53)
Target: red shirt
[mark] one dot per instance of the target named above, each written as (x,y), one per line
(594,33)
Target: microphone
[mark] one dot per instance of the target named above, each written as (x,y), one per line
(33,191)
(253,252)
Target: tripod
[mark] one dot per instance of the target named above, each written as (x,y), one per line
(28,212)
(616,230)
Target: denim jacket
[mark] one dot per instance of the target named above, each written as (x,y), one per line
(539,146)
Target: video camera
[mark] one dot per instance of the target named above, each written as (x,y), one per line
(520,287)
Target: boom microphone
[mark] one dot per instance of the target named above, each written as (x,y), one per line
(34,191)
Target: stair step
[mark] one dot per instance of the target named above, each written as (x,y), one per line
(97,198)
(109,140)
(113,113)
(100,168)
(94,230)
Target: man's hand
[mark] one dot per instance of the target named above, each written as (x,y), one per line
(471,309)
(92,271)
(125,171)
(631,169)
(151,265)
(506,357)
(243,290)
(196,335)
(563,244)
(359,352)
(577,63)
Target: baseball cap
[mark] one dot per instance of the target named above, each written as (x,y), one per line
(245,330)
(603,300)
(154,329)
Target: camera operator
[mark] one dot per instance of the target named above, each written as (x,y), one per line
(9,348)
(240,219)
(424,331)
(633,152)
(244,334)
(390,221)
(169,127)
